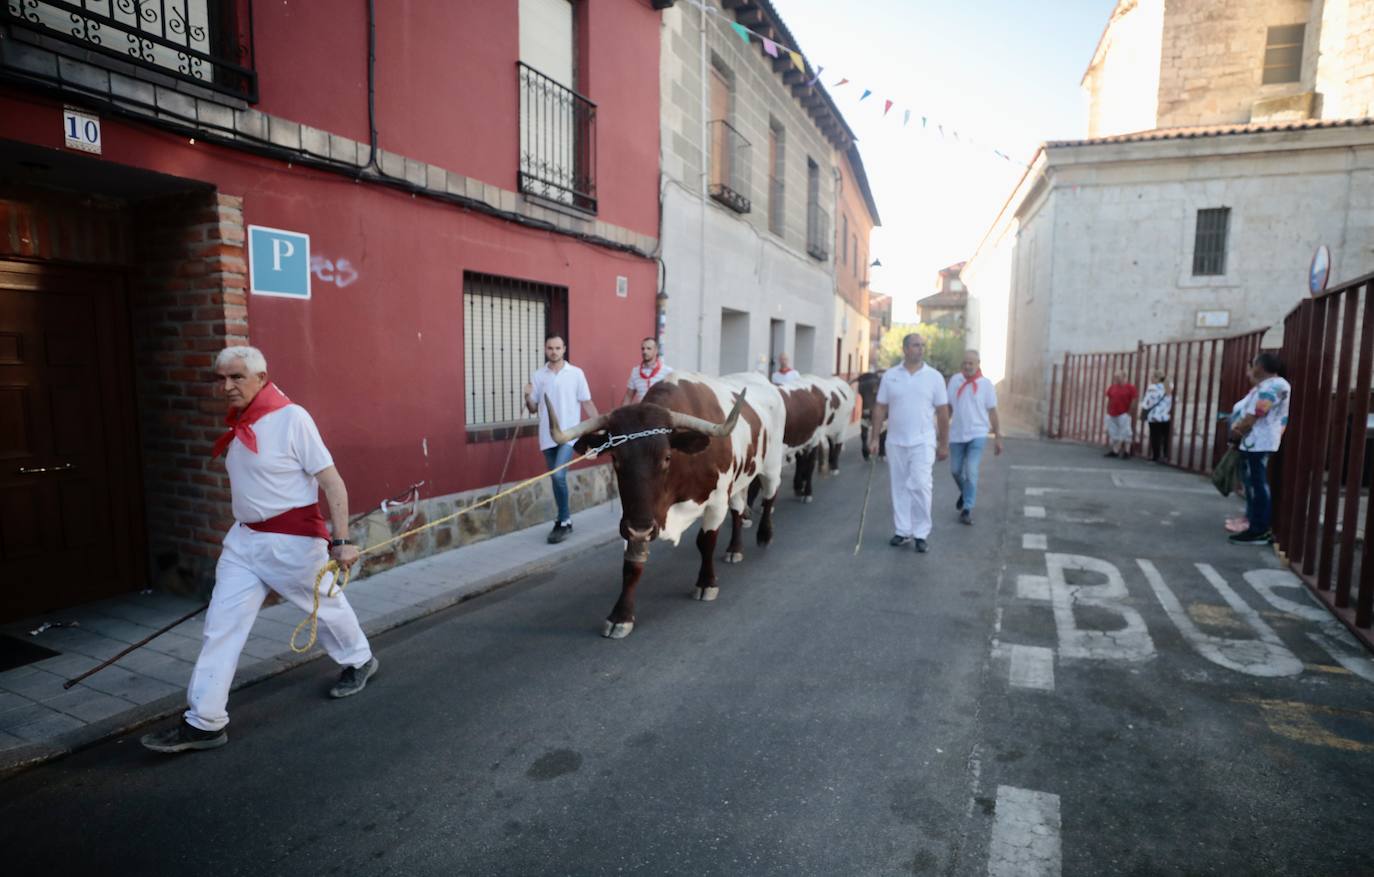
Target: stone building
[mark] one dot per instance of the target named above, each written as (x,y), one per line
(1228,140)
(857,215)
(946,307)
(749,188)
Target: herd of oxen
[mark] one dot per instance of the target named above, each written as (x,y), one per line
(707,448)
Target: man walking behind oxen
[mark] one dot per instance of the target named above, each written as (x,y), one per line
(277,465)
(563,385)
(914,404)
(650,371)
(1257,435)
(973,414)
(785,374)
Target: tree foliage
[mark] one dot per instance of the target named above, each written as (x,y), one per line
(944,346)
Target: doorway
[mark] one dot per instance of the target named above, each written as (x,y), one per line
(70,508)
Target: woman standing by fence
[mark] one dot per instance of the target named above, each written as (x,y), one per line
(1157,408)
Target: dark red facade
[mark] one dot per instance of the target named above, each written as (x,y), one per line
(379,359)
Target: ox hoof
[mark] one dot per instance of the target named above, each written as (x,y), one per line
(807,500)
(835,471)
(745,523)
(617,629)
(706,595)
(733,557)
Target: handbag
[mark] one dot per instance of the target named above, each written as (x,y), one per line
(1226,472)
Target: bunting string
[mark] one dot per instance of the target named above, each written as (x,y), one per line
(774,49)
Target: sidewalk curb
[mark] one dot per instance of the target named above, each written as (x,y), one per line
(21,758)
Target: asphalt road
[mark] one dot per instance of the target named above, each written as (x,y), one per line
(830,714)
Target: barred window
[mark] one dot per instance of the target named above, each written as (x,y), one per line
(1283,53)
(1209,244)
(505,322)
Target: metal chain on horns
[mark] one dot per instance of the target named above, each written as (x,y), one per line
(615,441)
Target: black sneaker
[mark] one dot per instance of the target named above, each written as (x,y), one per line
(921,546)
(1111,454)
(354,679)
(560,532)
(966,517)
(899,541)
(183,738)
(1250,537)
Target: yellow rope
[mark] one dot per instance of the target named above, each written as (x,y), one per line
(340,582)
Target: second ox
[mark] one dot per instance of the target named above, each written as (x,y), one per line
(819,411)
(696,462)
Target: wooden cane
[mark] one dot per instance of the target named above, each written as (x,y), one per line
(138,645)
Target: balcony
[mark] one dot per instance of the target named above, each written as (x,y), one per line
(205,42)
(557,142)
(817,231)
(729,166)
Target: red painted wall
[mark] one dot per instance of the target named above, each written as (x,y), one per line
(446,85)
(380,362)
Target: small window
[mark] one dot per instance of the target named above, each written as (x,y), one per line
(1209,244)
(776,192)
(1283,53)
(504,325)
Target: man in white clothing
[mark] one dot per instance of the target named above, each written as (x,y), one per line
(785,373)
(650,371)
(914,404)
(563,385)
(277,466)
(973,414)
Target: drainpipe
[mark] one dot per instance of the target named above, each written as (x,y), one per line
(705,154)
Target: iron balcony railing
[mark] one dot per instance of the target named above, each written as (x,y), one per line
(730,153)
(557,141)
(206,42)
(777,221)
(817,231)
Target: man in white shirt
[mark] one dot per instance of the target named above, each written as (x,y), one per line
(1257,435)
(785,373)
(277,466)
(563,385)
(650,371)
(973,414)
(913,402)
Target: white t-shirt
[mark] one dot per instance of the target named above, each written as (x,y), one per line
(566,390)
(281,475)
(1268,401)
(968,418)
(912,400)
(640,384)
(782,379)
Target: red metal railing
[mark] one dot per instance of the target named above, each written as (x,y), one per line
(1322,471)
(1206,378)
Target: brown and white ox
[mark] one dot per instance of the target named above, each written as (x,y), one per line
(868,393)
(840,399)
(819,410)
(700,470)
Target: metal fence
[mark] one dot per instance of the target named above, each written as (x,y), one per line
(557,141)
(504,324)
(1206,378)
(206,42)
(1322,472)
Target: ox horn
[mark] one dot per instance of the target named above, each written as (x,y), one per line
(565,438)
(714,430)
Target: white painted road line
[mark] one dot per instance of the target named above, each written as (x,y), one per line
(1041,491)
(1025,835)
(1032,667)
(1030,587)
(1035,511)
(1035,542)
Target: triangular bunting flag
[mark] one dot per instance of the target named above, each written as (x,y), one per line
(797,60)
(887,106)
(865,94)
(741,30)
(906,117)
(817,76)
(841,82)
(923,121)
(770,47)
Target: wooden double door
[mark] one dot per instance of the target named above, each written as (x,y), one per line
(71,523)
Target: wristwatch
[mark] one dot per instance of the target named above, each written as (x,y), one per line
(335,543)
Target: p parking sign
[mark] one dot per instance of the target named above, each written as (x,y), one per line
(279,262)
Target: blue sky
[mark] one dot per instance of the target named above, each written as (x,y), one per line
(1005,72)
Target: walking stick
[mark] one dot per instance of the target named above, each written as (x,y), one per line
(510,450)
(138,645)
(863,513)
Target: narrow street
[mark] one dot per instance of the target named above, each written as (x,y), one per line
(1089,680)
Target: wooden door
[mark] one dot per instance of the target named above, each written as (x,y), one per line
(70,525)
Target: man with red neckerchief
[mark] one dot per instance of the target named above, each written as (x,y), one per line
(277,465)
(650,371)
(785,374)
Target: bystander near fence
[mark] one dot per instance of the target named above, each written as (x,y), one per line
(1322,472)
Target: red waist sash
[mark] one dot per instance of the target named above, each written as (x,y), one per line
(304,521)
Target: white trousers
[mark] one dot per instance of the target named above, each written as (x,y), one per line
(250,564)
(912,470)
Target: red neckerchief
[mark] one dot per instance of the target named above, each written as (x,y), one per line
(967,381)
(658,364)
(240,423)
(783,371)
